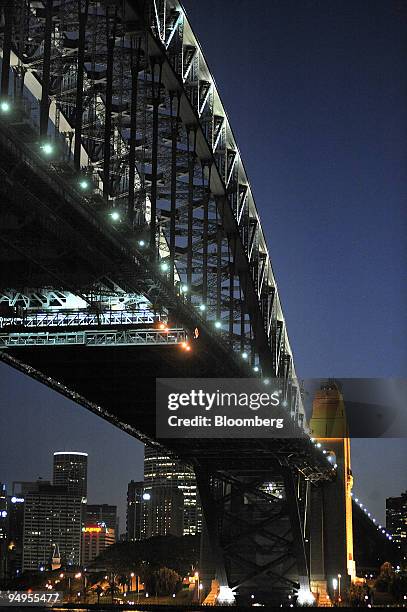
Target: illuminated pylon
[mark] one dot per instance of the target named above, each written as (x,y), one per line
(331,514)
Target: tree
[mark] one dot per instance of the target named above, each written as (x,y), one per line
(385,578)
(112,590)
(163,581)
(98,591)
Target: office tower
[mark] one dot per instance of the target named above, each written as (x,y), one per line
(396,519)
(96,537)
(71,471)
(160,468)
(134,515)
(3,530)
(15,535)
(101,513)
(163,509)
(52,517)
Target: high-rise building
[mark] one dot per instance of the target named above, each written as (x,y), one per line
(163,509)
(71,471)
(3,530)
(135,510)
(101,513)
(96,537)
(15,535)
(52,518)
(161,469)
(396,519)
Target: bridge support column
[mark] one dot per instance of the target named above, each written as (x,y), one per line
(330,519)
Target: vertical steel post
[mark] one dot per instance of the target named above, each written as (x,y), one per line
(5,64)
(218,263)
(46,69)
(135,67)
(156,93)
(207,195)
(82,17)
(173,211)
(111,40)
(191,169)
(297,529)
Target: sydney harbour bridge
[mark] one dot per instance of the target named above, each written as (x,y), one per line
(132,249)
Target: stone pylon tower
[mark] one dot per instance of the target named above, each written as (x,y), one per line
(330,511)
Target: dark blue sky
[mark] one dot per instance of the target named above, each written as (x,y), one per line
(316,93)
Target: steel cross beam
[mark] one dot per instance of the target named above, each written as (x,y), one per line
(77,318)
(127,337)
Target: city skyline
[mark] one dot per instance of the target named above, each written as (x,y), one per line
(71,422)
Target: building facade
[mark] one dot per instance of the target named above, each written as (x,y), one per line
(3,530)
(96,538)
(15,535)
(101,513)
(164,471)
(52,517)
(396,519)
(163,509)
(135,511)
(71,471)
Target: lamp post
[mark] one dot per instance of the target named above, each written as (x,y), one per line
(339,586)
(335,586)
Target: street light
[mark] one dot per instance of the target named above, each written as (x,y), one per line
(335,585)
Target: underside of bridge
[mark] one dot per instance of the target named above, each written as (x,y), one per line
(131,249)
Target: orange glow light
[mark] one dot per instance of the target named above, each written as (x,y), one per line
(92,529)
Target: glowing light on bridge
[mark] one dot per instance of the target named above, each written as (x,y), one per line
(256,369)
(244,355)
(47,148)
(202,307)
(218,324)
(83,184)
(115,215)
(5,106)
(164,266)
(141,243)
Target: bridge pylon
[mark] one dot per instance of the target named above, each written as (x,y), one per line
(332,564)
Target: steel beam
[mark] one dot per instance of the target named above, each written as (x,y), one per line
(127,337)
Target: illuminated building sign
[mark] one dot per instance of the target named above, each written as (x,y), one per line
(17,500)
(92,529)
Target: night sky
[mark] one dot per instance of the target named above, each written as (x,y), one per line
(316,93)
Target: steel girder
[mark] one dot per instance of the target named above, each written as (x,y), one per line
(257,541)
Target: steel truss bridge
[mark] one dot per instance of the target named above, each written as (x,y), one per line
(131,248)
